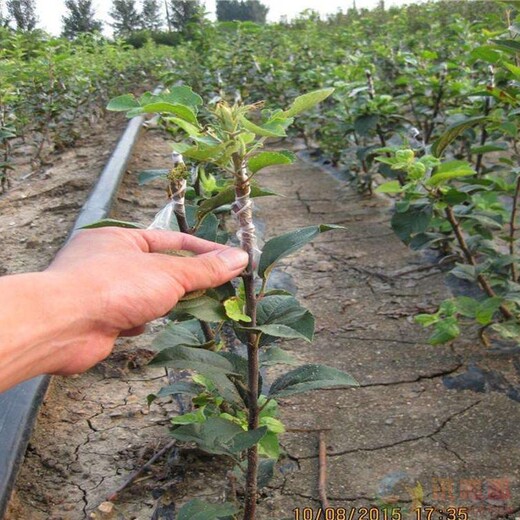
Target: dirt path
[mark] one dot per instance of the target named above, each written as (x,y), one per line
(401,436)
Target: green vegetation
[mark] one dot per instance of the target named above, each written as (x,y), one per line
(231,415)
(425,97)
(419,103)
(51,90)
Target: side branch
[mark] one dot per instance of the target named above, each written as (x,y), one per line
(484,284)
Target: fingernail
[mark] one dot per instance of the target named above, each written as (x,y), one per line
(234,258)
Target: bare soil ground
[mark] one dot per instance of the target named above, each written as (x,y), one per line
(402,438)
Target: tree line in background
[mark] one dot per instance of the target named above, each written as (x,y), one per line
(129,18)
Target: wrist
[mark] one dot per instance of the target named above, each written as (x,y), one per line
(40,325)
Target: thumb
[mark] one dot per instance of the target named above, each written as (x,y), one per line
(209,269)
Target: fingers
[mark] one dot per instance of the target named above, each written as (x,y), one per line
(147,240)
(206,270)
(157,240)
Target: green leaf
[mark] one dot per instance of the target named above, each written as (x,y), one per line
(513,68)
(450,170)
(486,53)
(149,175)
(190,129)
(110,222)
(265,159)
(389,187)
(208,229)
(198,359)
(276,356)
(5,133)
(201,152)
(310,377)
(415,219)
(445,330)
(454,196)
(199,510)
(183,387)
(190,418)
(426,320)
(465,272)
(134,112)
(283,245)
(219,436)
(273,425)
(188,333)
(203,308)
(508,329)
(285,331)
(225,387)
(487,309)
(234,310)
(181,147)
(181,111)
(453,132)
(182,95)
(510,46)
(281,316)
(487,148)
(307,101)
(271,130)
(422,240)
(245,440)
(490,222)
(270,446)
(365,124)
(227,196)
(467,306)
(123,103)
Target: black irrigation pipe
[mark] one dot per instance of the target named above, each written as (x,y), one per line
(19,406)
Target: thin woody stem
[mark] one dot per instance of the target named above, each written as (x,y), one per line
(178,193)
(243,211)
(484,134)
(437,106)
(484,284)
(372,95)
(512,230)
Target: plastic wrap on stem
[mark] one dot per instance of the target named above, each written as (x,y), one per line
(163,218)
(176,205)
(177,197)
(242,210)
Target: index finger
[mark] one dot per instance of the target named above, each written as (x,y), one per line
(160,240)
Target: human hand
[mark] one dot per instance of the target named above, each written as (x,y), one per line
(119,281)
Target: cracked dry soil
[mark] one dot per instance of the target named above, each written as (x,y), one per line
(401,438)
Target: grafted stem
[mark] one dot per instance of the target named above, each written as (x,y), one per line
(178,186)
(177,190)
(243,211)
